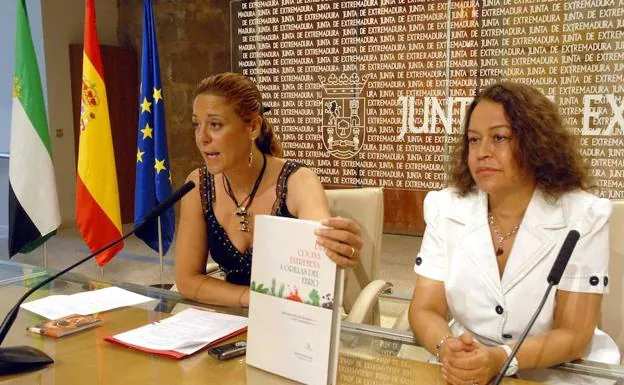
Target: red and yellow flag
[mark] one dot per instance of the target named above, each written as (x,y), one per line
(97,197)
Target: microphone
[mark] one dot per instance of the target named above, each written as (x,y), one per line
(562,259)
(553,279)
(24,358)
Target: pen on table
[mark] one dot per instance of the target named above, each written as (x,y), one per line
(35,330)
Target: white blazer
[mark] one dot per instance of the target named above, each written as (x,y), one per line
(457,249)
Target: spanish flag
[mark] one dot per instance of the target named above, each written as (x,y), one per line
(97,196)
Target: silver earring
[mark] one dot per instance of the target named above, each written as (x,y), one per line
(250,156)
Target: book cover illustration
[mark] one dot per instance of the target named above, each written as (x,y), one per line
(66,325)
(294,296)
(300,274)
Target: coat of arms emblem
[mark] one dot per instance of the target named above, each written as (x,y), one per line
(344,114)
(89,100)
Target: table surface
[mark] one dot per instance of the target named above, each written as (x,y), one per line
(368,355)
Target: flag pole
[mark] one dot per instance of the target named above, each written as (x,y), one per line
(45,254)
(160,253)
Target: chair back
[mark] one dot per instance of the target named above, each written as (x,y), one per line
(365,206)
(612,317)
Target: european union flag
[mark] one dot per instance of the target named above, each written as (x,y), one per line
(153,172)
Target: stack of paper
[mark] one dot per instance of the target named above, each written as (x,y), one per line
(84,303)
(182,334)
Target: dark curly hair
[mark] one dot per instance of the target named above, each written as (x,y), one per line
(247,101)
(544,148)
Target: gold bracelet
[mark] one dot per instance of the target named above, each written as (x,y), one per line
(438,346)
(240,297)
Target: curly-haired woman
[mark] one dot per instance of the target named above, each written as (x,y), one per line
(518,186)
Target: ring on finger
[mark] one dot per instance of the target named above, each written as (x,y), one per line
(352,252)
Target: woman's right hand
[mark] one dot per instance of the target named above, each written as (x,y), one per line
(342,240)
(467,361)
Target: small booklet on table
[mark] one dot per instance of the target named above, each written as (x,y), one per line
(64,326)
(182,334)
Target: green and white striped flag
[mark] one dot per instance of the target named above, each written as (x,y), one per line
(33,203)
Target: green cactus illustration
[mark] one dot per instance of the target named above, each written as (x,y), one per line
(261,289)
(314,297)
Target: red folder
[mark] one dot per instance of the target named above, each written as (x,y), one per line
(172,353)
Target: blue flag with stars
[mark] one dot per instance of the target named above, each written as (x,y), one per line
(153,171)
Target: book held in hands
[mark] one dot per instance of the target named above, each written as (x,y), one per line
(294,309)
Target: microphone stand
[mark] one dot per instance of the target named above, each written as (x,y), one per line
(503,369)
(553,279)
(19,359)
(24,358)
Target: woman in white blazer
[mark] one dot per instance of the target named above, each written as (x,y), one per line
(518,187)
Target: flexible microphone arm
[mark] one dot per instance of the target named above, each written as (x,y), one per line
(553,279)
(10,317)
(157,211)
(501,372)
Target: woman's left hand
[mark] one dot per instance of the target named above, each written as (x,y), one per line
(477,366)
(342,240)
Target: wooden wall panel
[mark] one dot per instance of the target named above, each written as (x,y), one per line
(122,86)
(403,212)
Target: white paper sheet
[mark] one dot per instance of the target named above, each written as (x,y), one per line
(185,332)
(88,302)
